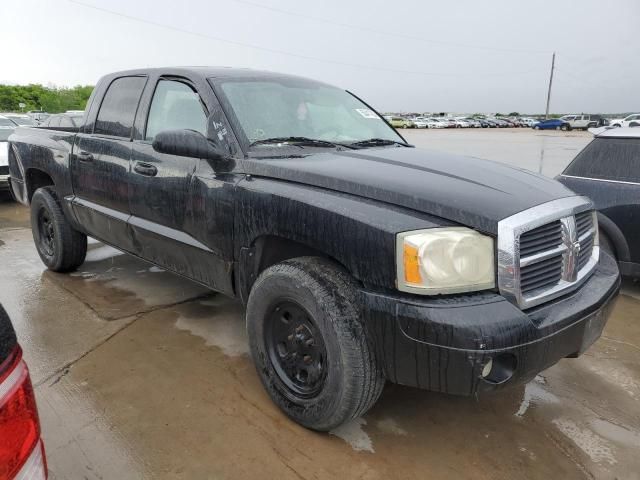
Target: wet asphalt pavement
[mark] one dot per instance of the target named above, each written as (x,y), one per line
(142,374)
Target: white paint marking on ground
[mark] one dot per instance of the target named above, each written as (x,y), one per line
(228,334)
(596,447)
(102,253)
(155,269)
(389,425)
(533,391)
(352,433)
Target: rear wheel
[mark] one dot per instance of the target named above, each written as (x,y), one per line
(60,246)
(309,343)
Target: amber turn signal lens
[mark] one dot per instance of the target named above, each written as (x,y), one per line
(411,265)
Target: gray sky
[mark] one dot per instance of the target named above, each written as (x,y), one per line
(463,55)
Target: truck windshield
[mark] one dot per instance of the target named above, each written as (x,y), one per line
(274,108)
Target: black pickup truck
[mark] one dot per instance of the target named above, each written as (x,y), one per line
(360,259)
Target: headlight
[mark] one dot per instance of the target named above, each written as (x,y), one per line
(445,260)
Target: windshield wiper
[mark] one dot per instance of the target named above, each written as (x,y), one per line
(301,141)
(374,142)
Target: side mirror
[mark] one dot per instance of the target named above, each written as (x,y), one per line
(186,143)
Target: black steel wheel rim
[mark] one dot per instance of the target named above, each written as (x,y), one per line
(46,232)
(296,349)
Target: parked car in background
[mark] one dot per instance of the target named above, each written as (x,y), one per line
(500,123)
(22,454)
(529,122)
(63,120)
(584,121)
(420,122)
(484,123)
(20,119)
(552,124)
(38,115)
(632,120)
(473,123)
(7,127)
(399,122)
(608,171)
(446,121)
(461,123)
(437,123)
(414,266)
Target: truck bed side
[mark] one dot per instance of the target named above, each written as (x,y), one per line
(40,157)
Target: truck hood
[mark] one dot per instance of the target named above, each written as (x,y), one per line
(470,191)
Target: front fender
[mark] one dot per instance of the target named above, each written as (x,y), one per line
(358,233)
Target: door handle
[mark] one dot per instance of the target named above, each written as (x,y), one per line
(146,169)
(84,156)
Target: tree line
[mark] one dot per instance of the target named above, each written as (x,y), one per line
(39,97)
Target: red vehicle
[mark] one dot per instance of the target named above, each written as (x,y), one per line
(21,449)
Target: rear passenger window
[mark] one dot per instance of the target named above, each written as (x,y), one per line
(608,159)
(175,106)
(118,108)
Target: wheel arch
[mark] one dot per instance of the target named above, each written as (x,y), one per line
(267,250)
(615,235)
(35,179)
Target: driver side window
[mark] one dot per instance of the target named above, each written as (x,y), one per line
(175,106)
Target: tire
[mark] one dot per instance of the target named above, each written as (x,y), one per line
(307,307)
(536,128)
(60,246)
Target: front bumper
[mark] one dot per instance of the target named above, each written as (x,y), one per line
(442,344)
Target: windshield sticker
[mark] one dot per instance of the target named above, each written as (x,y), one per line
(366,113)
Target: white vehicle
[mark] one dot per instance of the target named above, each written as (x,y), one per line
(461,123)
(421,122)
(529,122)
(20,119)
(582,121)
(473,123)
(632,120)
(6,128)
(437,123)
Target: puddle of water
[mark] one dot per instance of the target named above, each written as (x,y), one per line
(617,375)
(616,433)
(102,253)
(390,426)
(596,447)
(226,332)
(533,391)
(353,433)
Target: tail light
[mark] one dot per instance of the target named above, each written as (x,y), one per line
(21,450)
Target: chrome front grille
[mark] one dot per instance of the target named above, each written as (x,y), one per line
(547,251)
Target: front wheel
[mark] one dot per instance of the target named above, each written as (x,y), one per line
(60,246)
(309,344)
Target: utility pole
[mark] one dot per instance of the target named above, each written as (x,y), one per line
(553,63)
